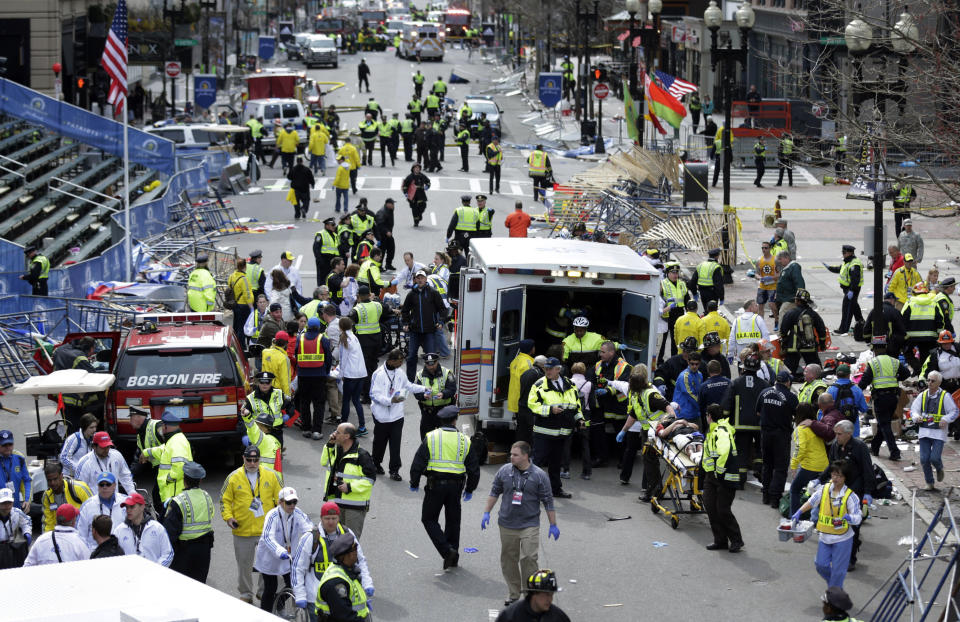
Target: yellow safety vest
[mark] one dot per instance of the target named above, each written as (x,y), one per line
(753,335)
(884,368)
(328,243)
(196,508)
(259,407)
(787,146)
(253,275)
(358,597)
(640,407)
(705,273)
(446,451)
(496,159)
(923,316)
(673,294)
(255,128)
(368,318)
(808,389)
(339,293)
(845,271)
(538,163)
(44,266)
(829,512)
(436,385)
(467,218)
(931,419)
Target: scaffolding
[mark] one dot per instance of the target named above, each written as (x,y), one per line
(929,573)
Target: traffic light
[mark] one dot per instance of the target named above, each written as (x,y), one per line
(81,82)
(600,74)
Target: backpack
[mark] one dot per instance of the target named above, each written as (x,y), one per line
(806,334)
(883,487)
(479,441)
(229,298)
(858,331)
(848,409)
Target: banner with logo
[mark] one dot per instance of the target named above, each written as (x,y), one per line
(267,47)
(205,90)
(869,181)
(551,89)
(85,127)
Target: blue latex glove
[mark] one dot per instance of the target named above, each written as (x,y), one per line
(847,518)
(284,555)
(301,604)
(730,360)
(485,521)
(245,440)
(29,537)
(622,347)
(868,499)
(902,360)
(286,418)
(662,388)
(394,281)
(621,435)
(414,489)
(467,496)
(601,392)
(796,515)
(696,298)
(850,294)
(369,591)
(554,532)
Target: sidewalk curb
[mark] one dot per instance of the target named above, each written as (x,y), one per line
(906,493)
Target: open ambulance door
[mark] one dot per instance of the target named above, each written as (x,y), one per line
(637,324)
(469,339)
(507,330)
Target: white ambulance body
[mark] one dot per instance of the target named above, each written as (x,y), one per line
(511,288)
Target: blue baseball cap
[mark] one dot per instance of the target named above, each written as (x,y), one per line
(107,476)
(314,322)
(169,417)
(553,362)
(6,437)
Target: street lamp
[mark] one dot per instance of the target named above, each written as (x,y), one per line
(862,43)
(727,58)
(649,39)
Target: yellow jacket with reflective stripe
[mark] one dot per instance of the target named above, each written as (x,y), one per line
(446,451)
(241,288)
(357,595)
(688,325)
(274,360)
(172,455)
(237,495)
(82,493)
(201,290)
(520,364)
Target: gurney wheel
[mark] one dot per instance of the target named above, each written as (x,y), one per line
(654,508)
(674,522)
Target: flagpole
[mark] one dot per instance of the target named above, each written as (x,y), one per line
(128,248)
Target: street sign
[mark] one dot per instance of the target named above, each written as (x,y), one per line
(185,43)
(551,89)
(172,68)
(600,91)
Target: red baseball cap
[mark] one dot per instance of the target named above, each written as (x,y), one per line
(102,439)
(134,499)
(67,512)
(282,336)
(330,508)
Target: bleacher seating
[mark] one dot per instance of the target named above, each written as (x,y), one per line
(36,205)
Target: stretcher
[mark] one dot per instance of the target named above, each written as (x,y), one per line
(680,488)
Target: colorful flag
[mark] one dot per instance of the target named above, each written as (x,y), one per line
(677,87)
(114,59)
(663,104)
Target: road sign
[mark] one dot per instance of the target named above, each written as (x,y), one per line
(172,68)
(185,43)
(551,89)
(600,91)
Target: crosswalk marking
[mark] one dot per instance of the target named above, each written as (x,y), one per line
(801,176)
(474,185)
(461,185)
(395,183)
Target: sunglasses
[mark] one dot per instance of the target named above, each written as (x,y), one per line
(251,459)
(104,484)
(294,502)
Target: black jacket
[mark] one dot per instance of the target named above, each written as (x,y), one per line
(790,330)
(422,182)
(457,264)
(776,407)
(668,372)
(896,327)
(301,178)
(108,548)
(419,466)
(720,358)
(363,69)
(383,222)
(743,411)
(423,309)
(527,379)
(712,391)
(520,611)
(857,454)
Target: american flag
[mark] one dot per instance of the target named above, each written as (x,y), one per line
(677,87)
(114,59)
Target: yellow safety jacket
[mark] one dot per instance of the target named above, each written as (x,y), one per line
(75,492)
(808,391)
(591,342)
(241,288)
(272,406)
(370,273)
(845,269)
(288,141)
(520,364)
(368,318)
(543,397)
(467,218)
(358,597)
(171,456)
(358,495)
(884,368)
(688,325)
(718,449)
(256,128)
(44,266)
(639,407)
(328,243)
(318,140)
(436,386)
(196,509)
(361,224)
(922,323)
(151,439)
(673,294)
(238,494)
(201,290)
(537,161)
(446,451)
(274,360)
(253,275)
(494,155)
(705,272)
(829,512)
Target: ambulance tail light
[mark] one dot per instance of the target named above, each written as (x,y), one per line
(475,285)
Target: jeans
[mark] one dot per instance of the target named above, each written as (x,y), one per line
(417,340)
(800,481)
(318,163)
(930,450)
(440,343)
(351,393)
(832,561)
(345,194)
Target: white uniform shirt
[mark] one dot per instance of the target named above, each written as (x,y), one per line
(303,579)
(74,448)
(94,507)
(405,276)
(91,466)
(281,533)
(745,320)
(69,543)
(153,543)
(292,274)
(949,414)
(384,384)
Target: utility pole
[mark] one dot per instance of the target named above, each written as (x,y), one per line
(206,6)
(173,15)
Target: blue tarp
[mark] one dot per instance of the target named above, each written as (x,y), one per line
(146,149)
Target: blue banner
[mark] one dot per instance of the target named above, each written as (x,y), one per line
(551,89)
(205,90)
(267,47)
(145,149)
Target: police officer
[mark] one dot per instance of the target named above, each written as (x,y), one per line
(463,140)
(367,316)
(256,134)
(924,320)
(884,374)
(189,524)
(325,248)
(785,159)
(256,277)
(673,291)
(777,406)
(493,153)
(903,195)
(851,280)
(270,403)
(802,333)
(740,405)
(463,223)
(170,458)
(407,128)
(39,272)
(722,457)
(759,159)
(201,287)
(708,280)
(149,436)
(368,134)
(442,385)
(539,169)
(341,596)
(555,403)
(418,79)
(445,457)
(484,218)
(386,130)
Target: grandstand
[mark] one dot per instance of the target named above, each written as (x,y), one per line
(60,193)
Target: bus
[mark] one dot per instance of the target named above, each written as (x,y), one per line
(430,37)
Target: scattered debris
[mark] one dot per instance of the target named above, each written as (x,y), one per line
(659,545)
(410,554)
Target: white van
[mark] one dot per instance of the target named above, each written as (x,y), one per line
(276,113)
(429,36)
(508,292)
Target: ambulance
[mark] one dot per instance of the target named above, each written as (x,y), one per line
(513,285)
(428,35)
